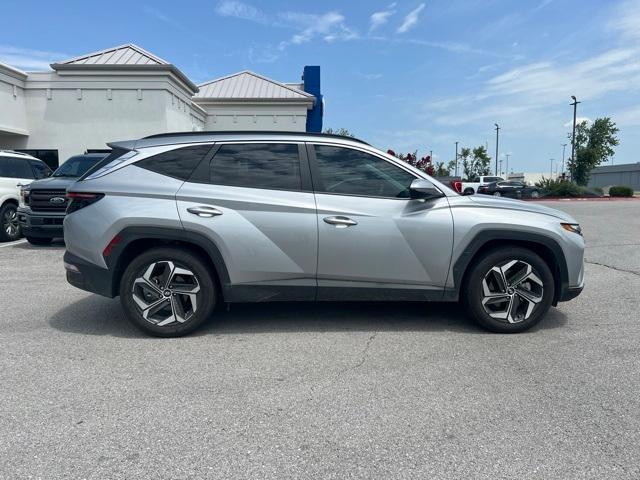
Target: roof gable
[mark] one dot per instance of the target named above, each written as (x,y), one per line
(247,85)
(128,54)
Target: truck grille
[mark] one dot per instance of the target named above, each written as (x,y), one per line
(42,200)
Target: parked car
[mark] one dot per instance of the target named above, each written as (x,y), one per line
(180,223)
(471,187)
(511,189)
(43,202)
(16,169)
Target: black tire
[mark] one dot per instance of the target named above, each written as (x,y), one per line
(497,194)
(468,191)
(197,267)
(473,295)
(39,240)
(9,226)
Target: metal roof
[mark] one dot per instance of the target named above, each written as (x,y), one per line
(620,168)
(127,54)
(248,85)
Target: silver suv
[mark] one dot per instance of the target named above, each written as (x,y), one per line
(177,224)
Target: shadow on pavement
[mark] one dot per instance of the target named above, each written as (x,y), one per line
(95,315)
(57,244)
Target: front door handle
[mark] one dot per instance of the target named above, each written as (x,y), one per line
(340,221)
(204,211)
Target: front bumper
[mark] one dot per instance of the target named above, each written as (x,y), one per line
(40,224)
(86,276)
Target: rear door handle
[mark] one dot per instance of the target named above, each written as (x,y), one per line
(204,211)
(340,221)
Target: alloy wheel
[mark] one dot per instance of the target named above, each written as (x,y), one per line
(166,293)
(511,291)
(10,223)
(497,194)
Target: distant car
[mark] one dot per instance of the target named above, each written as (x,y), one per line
(471,187)
(43,203)
(15,169)
(511,189)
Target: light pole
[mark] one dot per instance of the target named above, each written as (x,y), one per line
(456,173)
(564,145)
(497,140)
(551,160)
(573,136)
(508,155)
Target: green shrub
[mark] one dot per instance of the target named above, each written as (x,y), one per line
(559,188)
(621,191)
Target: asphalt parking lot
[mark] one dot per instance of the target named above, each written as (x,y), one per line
(324,391)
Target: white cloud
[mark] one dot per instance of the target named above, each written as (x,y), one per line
(378,19)
(411,19)
(27,59)
(578,121)
(243,11)
(331,26)
(626,19)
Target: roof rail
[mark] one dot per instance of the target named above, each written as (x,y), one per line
(256,132)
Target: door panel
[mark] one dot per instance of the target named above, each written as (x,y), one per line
(264,236)
(396,242)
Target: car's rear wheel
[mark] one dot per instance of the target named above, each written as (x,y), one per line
(497,194)
(39,240)
(168,292)
(509,290)
(9,226)
(535,194)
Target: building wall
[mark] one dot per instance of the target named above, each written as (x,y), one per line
(627,175)
(71,114)
(13,117)
(277,116)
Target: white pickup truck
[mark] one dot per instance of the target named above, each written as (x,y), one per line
(469,188)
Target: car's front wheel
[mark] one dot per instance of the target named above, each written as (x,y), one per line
(508,290)
(168,292)
(497,194)
(9,226)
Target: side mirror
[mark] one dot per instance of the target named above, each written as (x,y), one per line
(423,188)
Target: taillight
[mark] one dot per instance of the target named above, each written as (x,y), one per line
(111,245)
(457,185)
(78,200)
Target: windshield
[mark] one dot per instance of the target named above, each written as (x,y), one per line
(77,166)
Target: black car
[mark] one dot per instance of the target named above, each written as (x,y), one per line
(511,189)
(44,202)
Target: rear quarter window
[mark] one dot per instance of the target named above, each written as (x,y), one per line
(178,163)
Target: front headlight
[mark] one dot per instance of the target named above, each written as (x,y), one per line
(572,227)
(24,197)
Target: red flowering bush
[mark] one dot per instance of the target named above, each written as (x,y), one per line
(423,163)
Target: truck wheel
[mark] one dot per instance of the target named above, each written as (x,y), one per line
(39,240)
(508,290)
(168,292)
(9,226)
(468,191)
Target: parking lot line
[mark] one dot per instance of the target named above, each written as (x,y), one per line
(10,244)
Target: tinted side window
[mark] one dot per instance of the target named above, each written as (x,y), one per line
(40,169)
(257,165)
(351,172)
(178,163)
(11,167)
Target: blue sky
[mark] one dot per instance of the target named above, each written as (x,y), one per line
(404,75)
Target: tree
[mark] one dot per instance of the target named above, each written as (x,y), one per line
(338,131)
(443,170)
(423,163)
(475,162)
(594,145)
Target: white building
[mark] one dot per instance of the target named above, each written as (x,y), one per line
(126,92)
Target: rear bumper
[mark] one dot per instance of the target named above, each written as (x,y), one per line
(86,276)
(40,224)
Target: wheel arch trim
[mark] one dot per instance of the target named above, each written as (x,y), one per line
(486,237)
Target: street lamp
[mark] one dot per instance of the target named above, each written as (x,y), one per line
(497,137)
(456,173)
(564,145)
(508,155)
(573,136)
(551,160)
